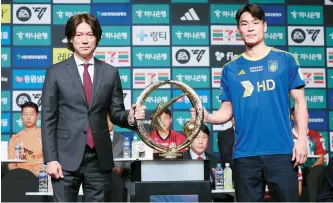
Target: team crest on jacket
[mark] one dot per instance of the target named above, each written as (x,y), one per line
(273,65)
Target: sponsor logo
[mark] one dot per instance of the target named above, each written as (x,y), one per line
(31,13)
(150,13)
(191,15)
(20,97)
(329,57)
(196,78)
(5,122)
(275,15)
(318,119)
(223,13)
(5,57)
(5,79)
(5,35)
(5,100)
(115,35)
(221,35)
(190,35)
(309,56)
(151,35)
(151,56)
(306,36)
(115,14)
(155,98)
(263,86)
(216,77)
(61,13)
(241,72)
(60,54)
(32,57)
(28,79)
(314,77)
(144,77)
(125,77)
(32,35)
(309,15)
(190,56)
(5,13)
(115,56)
(185,103)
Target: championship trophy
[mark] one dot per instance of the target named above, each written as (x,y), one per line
(190,129)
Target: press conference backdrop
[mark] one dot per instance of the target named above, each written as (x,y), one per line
(185,40)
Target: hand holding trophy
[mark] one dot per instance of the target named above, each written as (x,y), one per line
(190,129)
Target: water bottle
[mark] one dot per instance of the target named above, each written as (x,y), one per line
(43,179)
(18,151)
(135,147)
(227,172)
(219,181)
(141,148)
(127,148)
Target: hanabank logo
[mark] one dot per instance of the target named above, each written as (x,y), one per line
(306,36)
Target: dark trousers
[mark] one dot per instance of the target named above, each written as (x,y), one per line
(95,183)
(251,173)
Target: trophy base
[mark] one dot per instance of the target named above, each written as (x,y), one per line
(168,156)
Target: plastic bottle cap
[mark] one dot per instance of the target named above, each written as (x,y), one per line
(227,164)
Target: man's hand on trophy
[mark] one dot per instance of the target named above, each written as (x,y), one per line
(194,114)
(137,112)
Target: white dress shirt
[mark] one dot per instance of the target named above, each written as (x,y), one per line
(195,155)
(79,64)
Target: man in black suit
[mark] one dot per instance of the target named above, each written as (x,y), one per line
(225,143)
(198,151)
(77,95)
(120,172)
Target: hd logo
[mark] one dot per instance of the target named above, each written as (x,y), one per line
(265,85)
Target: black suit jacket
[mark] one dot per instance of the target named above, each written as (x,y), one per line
(213,160)
(66,114)
(226,142)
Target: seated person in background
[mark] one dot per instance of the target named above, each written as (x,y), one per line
(29,139)
(121,168)
(117,146)
(168,137)
(198,150)
(226,142)
(318,141)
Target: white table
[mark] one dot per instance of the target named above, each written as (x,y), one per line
(130,159)
(13,161)
(44,193)
(229,192)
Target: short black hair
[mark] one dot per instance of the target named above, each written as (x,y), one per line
(292,110)
(168,112)
(255,10)
(76,20)
(29,104)
(205,129)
